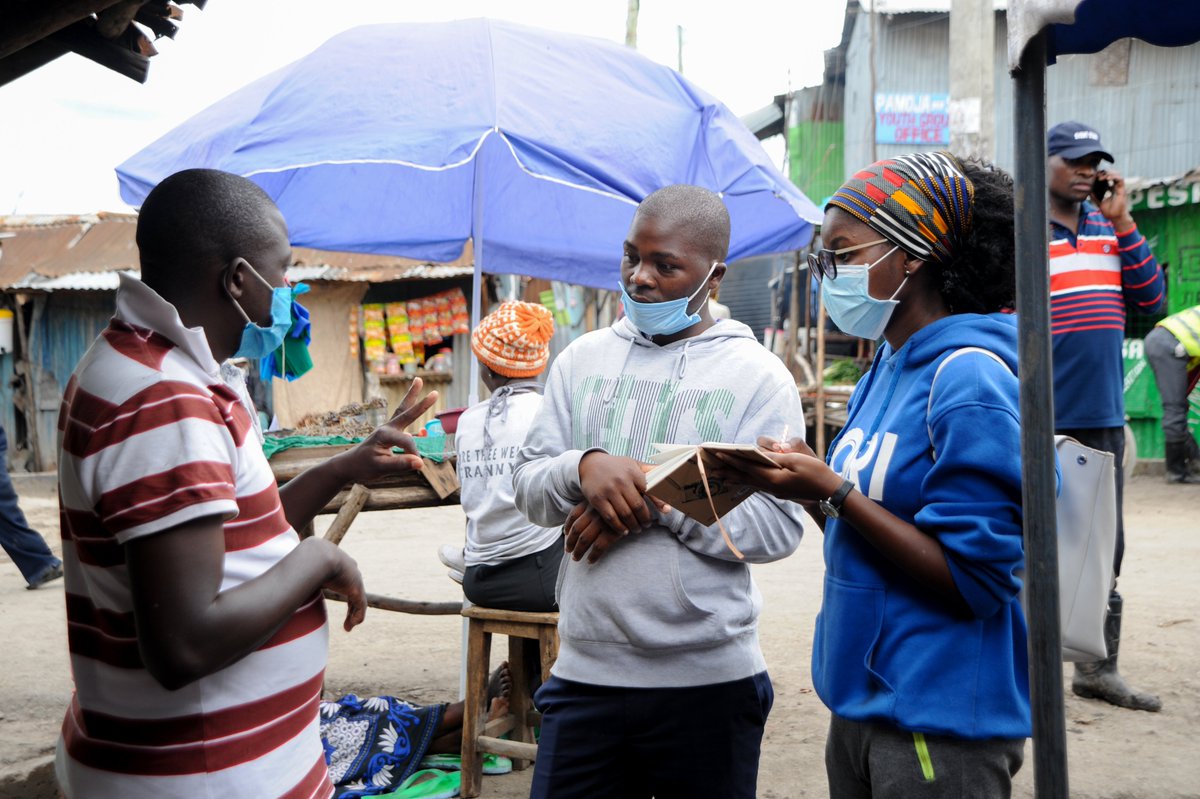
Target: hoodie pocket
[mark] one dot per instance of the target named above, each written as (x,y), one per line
(844,648)
(638,595)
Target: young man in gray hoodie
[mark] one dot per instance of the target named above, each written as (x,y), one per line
(660,687)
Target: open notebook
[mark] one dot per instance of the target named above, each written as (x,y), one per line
(680,479)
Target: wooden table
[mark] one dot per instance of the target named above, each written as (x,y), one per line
(435,484)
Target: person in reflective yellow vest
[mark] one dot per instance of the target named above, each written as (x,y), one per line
(1173,350)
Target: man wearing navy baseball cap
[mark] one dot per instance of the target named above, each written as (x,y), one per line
(1099,266)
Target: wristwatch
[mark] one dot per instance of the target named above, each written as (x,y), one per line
(832,507)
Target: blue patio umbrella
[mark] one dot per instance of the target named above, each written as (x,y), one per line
(410,139)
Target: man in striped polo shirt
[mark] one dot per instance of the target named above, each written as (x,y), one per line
(196,626)
(1099,266)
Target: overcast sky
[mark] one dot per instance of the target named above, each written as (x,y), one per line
(67,125)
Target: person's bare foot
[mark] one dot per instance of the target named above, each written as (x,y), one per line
(498,690)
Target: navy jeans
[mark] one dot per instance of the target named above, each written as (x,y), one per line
(23,544)
(699,742)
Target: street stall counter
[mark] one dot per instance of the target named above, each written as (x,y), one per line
(434,484)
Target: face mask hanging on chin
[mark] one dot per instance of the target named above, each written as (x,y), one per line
(663,318)
(849,303)
(267,344)
(292,359)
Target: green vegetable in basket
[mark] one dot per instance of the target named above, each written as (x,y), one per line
(842,372)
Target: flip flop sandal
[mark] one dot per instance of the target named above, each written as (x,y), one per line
(496,764)
(492,764)
(427,784)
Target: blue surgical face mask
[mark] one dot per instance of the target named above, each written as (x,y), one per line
(257,341)
(292,360)
(663,318)
(849,303)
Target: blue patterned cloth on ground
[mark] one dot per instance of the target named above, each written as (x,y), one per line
(372,745)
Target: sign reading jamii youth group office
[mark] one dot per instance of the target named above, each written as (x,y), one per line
(905,118)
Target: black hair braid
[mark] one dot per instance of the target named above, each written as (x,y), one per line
(982,277)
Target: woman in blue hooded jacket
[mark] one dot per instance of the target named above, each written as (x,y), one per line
(920,645)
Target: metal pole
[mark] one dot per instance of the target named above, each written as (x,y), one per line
(476,272)
(473,383)
(820,416)
(793,323)
(1037,424)
(871,61)
(972,78)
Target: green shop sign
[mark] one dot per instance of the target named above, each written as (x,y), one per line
(1171,195)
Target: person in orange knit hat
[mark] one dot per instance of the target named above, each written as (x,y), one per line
(508,562)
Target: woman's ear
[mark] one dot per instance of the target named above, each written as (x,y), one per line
(912,264)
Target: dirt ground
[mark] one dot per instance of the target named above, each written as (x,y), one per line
(1113,754)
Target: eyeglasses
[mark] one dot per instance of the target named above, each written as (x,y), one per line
(823,262)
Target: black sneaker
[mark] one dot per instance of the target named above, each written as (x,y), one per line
(49,573)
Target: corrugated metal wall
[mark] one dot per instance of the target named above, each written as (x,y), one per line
(7,411)
(911,56)
(1174,234)
(815,162)
(744,289)
(67,325)
(1149,123)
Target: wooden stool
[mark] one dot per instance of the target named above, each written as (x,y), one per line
(478,737)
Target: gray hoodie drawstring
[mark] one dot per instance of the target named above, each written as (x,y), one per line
(498,405)
(681,365)
(610,391)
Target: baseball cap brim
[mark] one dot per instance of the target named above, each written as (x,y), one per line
(1082,150)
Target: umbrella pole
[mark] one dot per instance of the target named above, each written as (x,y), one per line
(1037,424)
(473,384)
(476,274)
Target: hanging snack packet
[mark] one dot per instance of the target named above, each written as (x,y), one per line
(445,315)
(459,312)
(432,333)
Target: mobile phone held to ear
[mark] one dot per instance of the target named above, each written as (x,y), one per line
(1101,187)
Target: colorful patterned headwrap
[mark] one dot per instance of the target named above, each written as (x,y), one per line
(921,201)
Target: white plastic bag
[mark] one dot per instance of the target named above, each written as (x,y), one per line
(1086,512)
(1086,517)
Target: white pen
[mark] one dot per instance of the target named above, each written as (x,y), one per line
(782,445)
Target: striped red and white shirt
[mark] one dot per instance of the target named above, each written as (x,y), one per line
(151,437)
(1096,273)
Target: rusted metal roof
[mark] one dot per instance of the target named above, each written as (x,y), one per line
(30,246)
(102,246)
(382,274)
(56,253)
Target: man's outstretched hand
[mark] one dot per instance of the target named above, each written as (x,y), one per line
(376,457)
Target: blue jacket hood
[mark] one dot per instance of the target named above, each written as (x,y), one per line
(995,332)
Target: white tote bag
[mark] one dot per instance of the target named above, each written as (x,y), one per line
(1086,517)
(1086,513)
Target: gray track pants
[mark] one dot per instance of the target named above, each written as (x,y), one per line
(866,760)
(1169,362)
